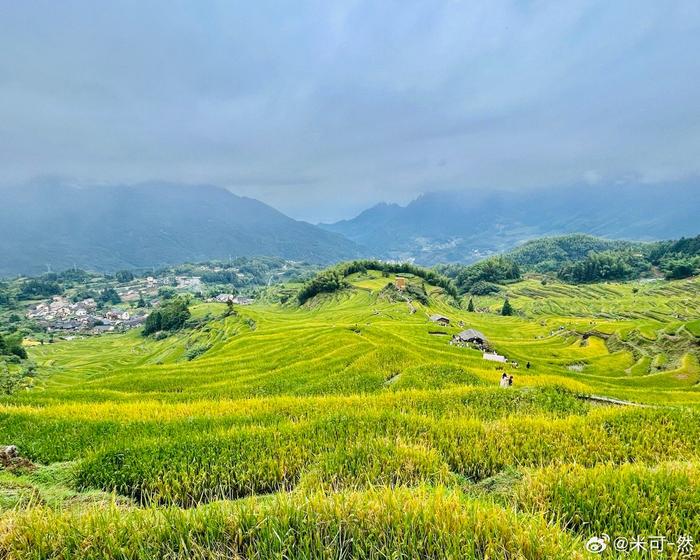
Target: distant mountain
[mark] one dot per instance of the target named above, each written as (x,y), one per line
(108,228)
(464,226)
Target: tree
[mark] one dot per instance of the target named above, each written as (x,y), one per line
(470,305)
(507,308)
(110,295)
(124,276)
(39,287)
(483,277)
(4,295)
(12,346)
(166,292)
(141,302)
(325,282)
(679,269)
(229,308)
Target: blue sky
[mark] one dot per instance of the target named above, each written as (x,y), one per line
(323,108)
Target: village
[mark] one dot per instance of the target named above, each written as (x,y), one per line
(60,315)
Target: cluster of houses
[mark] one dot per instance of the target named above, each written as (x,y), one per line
(61,315)
(146,286)
(237,300)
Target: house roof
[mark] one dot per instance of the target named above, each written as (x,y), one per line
(437,317)
(471,334)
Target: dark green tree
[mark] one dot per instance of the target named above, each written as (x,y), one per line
(507,308)
(166,292)
(109,295)
(124,276)
(170,316)
(470,305)
(229,308)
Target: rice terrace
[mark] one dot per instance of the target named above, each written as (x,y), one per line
(350,280)
(336,418)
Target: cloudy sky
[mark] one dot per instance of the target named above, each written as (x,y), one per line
(323,108)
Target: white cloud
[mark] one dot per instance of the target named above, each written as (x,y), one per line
(321,108)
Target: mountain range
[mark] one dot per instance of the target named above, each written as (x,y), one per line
(119,227)
(464,226)
(115,227)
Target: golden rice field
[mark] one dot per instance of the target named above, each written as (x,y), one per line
(350,428)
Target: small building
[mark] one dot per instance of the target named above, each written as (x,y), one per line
(440,320)
(117,315)
(400,283)
(470,335)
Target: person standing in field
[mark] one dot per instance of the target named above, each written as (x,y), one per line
(504,380)
(510,381)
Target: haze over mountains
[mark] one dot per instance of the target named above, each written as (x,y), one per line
(462,226)
(108,228)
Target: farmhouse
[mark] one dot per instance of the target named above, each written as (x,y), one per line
(440,320)
(400,283)
(470,335)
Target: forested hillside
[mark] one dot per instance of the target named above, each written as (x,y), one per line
(579,259)
(112,228)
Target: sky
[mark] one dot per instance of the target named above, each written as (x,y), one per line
(323,108)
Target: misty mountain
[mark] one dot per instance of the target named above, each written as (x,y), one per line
(463,226)
(108,228)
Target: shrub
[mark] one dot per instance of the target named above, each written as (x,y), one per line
(195,351)
(170,316)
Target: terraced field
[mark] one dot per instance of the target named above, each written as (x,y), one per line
(350,427)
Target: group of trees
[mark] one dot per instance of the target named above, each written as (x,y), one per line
(605,266)
(484,277)
(549,254)
(433,277)
(333,279)
(12,346)
(677,259)
(124,276)
(169,316)
(5,297)
(52,283)
(327,281)
(583,258)
(109,296)
(35,288)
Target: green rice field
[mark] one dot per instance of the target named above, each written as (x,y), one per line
(350,427)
